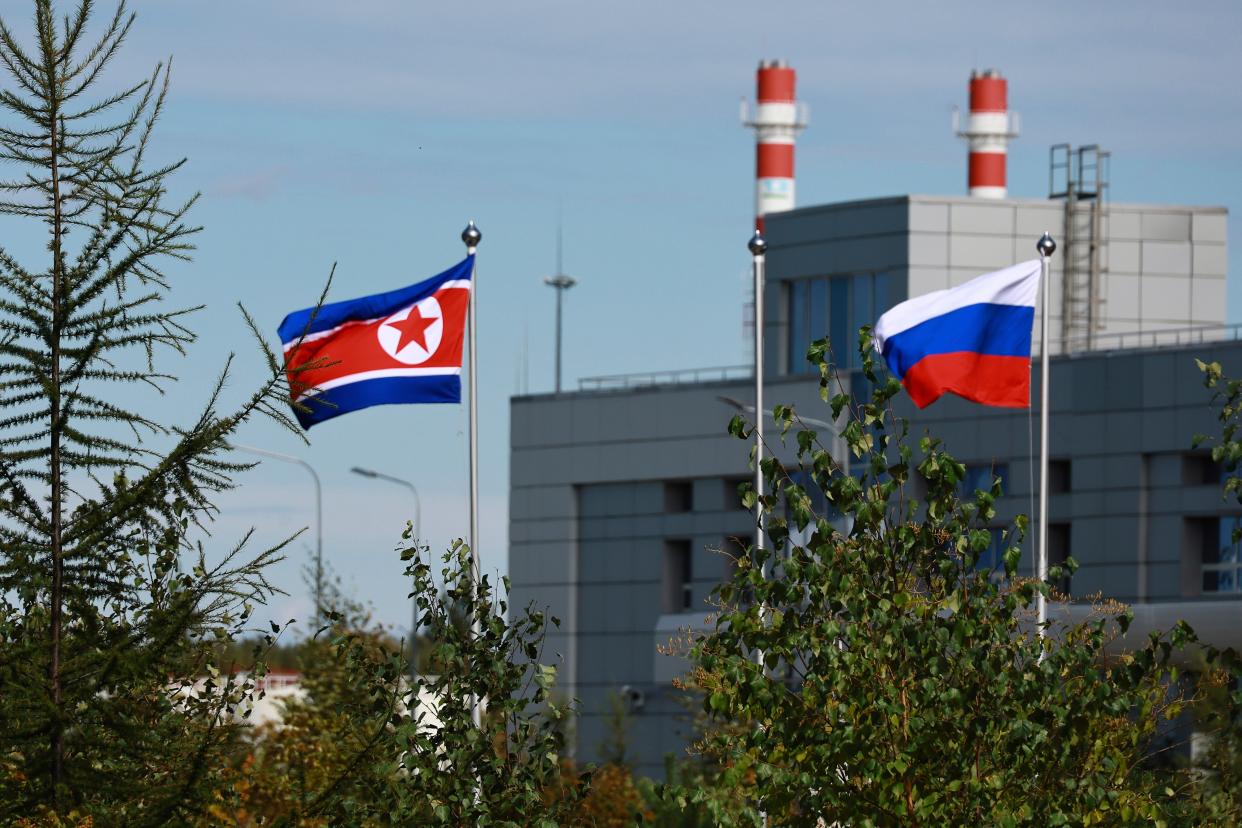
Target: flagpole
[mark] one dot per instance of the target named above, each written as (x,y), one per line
(471,236)
(758,247)
(1046,247)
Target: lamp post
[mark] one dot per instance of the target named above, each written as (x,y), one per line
(746,408)
(839,450)
(560,283)
(418,527)
(289,458)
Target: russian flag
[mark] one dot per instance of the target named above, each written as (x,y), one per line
(404,346)
(973,340)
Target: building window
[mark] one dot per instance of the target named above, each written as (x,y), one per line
(737,549)
(1199,469)
(733,492)
(839,329)
(836,307)
(1221,564)
(979,476)
(799,340)
(993,558)
(819,505)
(678,576)
(1058,476)
(679,496)
(1059,553)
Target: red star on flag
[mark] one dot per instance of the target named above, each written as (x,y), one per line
(413,329)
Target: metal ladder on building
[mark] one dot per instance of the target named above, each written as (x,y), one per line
(1079,176)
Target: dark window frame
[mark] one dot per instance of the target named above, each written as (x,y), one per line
(678,496)
(1199,469)
(1060,476)
(1060,541)
(678,585)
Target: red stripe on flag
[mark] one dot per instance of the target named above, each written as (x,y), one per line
(355,348)
(991,380)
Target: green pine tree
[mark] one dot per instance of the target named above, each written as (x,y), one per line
(110,610)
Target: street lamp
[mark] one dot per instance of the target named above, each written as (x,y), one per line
(418,504)
(560,283)
(840,451)
(418,527)
(289,458)
(750,409)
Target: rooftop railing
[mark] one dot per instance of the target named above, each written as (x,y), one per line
(1160,338)
(1081,346)
(686,376)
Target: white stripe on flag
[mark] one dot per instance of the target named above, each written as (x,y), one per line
(382,373)
(452,283)
(1015,285)
(323,334)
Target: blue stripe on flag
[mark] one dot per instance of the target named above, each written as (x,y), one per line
(299,323)
(996,330)
(436,388)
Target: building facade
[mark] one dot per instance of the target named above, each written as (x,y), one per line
(624,506)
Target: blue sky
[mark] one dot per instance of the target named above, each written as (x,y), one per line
(367,133)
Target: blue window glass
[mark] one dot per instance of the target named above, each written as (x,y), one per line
(839,323)
(860,387)
(797,326)
(883,298)
(1222,559)
(1228,549)
(819,503)
(993,557)
(1217,580)
(979,476)
(864,307)
(819,311)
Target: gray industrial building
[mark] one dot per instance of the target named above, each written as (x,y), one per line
(622,490)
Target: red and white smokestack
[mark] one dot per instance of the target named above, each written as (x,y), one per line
(988,131)
(776,120)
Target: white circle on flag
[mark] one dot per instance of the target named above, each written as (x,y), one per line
(413,334)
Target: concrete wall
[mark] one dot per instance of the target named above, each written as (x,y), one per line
(588,523)
(1164,266)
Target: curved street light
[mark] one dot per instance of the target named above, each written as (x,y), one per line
(289,458)
(418,527)
(418,504)
(747,408)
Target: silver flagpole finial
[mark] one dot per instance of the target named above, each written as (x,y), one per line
(1046,246)
(758,246)
(471,235)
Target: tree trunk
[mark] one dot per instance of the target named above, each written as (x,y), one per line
(58,729)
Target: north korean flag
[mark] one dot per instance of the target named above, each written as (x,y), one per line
(403,346)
